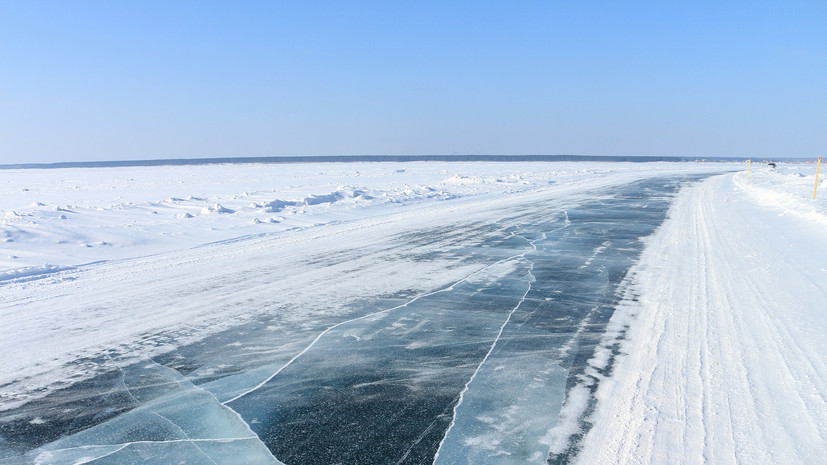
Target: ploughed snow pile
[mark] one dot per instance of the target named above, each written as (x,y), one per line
(723,359)
(789,191)
(29,272)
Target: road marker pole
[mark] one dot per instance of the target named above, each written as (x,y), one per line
(748,163)
(818,167)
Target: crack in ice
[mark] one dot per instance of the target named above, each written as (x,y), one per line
(188,439)
(123,379)
(493,344)
(184,433)
(421,436)
(447,289)
(165,441)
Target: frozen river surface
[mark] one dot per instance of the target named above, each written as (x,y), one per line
(455,340)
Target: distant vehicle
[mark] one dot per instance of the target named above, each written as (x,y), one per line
(771,164)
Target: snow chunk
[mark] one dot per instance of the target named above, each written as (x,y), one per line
(12,215)
(461,180)
(216,208)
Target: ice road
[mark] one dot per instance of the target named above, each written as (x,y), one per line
(479,330)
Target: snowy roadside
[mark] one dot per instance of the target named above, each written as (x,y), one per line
(723,360)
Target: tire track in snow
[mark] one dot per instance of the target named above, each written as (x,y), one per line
(721,365)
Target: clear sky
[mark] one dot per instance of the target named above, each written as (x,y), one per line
(113,80)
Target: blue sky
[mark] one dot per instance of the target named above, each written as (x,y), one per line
(87,80)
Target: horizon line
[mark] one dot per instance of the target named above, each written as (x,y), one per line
(376,158)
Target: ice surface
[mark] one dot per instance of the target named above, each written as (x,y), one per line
(397,371)
(578,262)
(171,418)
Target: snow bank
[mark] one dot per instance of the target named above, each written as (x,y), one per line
(30,272)
(788,189)
(723,360)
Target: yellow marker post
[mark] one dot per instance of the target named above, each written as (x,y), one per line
(748,163)
(818,167)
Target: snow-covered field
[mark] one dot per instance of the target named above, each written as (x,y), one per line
(65,217)
(712,355)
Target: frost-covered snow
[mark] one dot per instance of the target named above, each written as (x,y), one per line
(725,360)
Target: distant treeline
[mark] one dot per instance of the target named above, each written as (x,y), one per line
(361,158)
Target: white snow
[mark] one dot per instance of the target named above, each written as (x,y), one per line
(725,360)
